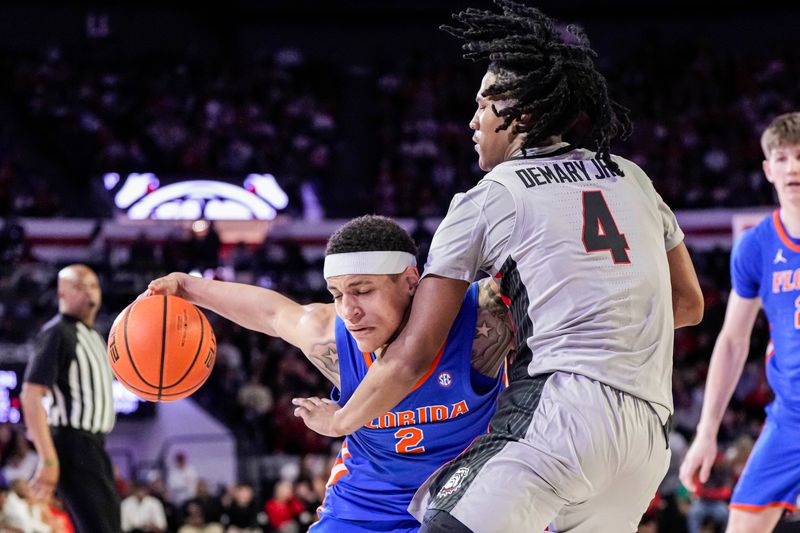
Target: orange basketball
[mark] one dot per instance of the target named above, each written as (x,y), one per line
(162,348)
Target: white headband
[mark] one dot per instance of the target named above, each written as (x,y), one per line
(367,263)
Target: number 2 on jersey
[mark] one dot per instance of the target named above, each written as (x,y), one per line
(409,440)
(600,232)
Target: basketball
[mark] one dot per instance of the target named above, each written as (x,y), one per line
(161,348)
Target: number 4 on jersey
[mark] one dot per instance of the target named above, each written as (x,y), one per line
(600,232)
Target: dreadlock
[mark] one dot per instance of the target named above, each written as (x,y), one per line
(546,74)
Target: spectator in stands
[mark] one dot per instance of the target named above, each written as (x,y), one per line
(181,480)
(256,401)
(311,500)
(209,504)
(21,461)
(7,521)
(60,519)
(209,247)
(284,508)
(22,511)
(239,510)
(157,488)
(194,520)
(142,513)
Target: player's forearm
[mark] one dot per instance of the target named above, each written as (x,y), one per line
(686,311)
(409,357)
(389,380)
(727,362)
(249,306)
(36,423)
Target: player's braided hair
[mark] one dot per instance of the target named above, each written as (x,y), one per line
(370,233)
(544,73)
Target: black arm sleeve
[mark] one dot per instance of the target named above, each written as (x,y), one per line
(43,367)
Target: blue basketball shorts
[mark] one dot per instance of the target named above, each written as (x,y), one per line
(330,524)
(771,477)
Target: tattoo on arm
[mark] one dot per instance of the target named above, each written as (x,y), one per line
(494,332)
(324,356)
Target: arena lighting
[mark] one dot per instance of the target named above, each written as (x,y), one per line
(134,187)
(8,411)
(142,195)
(125,402)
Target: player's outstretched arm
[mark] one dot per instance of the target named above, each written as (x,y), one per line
(687,298)
(727,361)
(309,327)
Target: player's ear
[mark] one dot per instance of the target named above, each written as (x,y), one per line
(411,279)
(767,170)
(523,124)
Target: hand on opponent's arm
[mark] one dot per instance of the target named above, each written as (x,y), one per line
(392,376)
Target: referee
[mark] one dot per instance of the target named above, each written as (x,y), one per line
(71,367)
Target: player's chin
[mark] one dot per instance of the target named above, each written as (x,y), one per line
(792,193)
(370,343)
(367,346)
(486,164)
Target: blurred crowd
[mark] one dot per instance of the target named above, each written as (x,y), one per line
(156,114)
(698,111)
(173,499)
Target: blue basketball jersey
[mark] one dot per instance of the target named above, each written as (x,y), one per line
(765,263)
(382,464)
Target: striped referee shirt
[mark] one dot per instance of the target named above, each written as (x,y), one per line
(70,359)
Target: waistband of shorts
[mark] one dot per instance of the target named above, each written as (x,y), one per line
(70,431)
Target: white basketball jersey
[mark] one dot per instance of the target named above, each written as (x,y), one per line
(582,255)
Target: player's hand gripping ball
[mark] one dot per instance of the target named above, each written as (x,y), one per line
(162,348)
